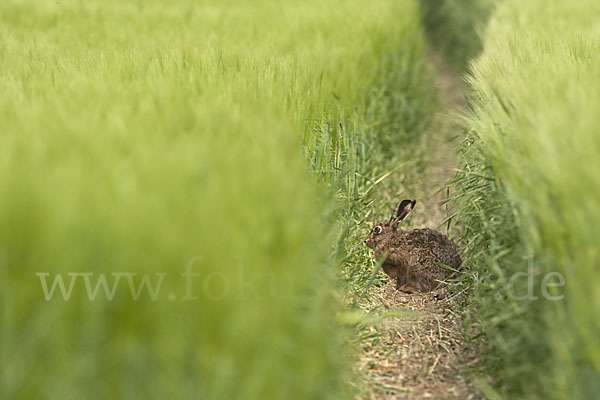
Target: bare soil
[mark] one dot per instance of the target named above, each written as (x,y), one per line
(418,351)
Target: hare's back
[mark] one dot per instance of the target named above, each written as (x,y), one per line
(429,247)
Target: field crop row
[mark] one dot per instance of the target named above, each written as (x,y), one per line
(528,198)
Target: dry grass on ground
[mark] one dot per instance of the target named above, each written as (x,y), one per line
(417,349)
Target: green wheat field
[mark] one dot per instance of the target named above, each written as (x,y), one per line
(184,186)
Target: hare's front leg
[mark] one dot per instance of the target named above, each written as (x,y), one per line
(407,288)
(411,283)
(390,270)
(402,278)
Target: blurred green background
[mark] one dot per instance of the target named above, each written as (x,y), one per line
(248,143)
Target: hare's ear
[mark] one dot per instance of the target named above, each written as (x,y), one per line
(401,212)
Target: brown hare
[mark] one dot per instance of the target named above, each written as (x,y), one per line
(413,257)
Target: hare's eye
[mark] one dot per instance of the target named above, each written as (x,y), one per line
(377,230)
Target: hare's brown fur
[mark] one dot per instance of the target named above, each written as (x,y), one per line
(413,257)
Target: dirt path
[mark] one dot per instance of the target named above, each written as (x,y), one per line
(417,351)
